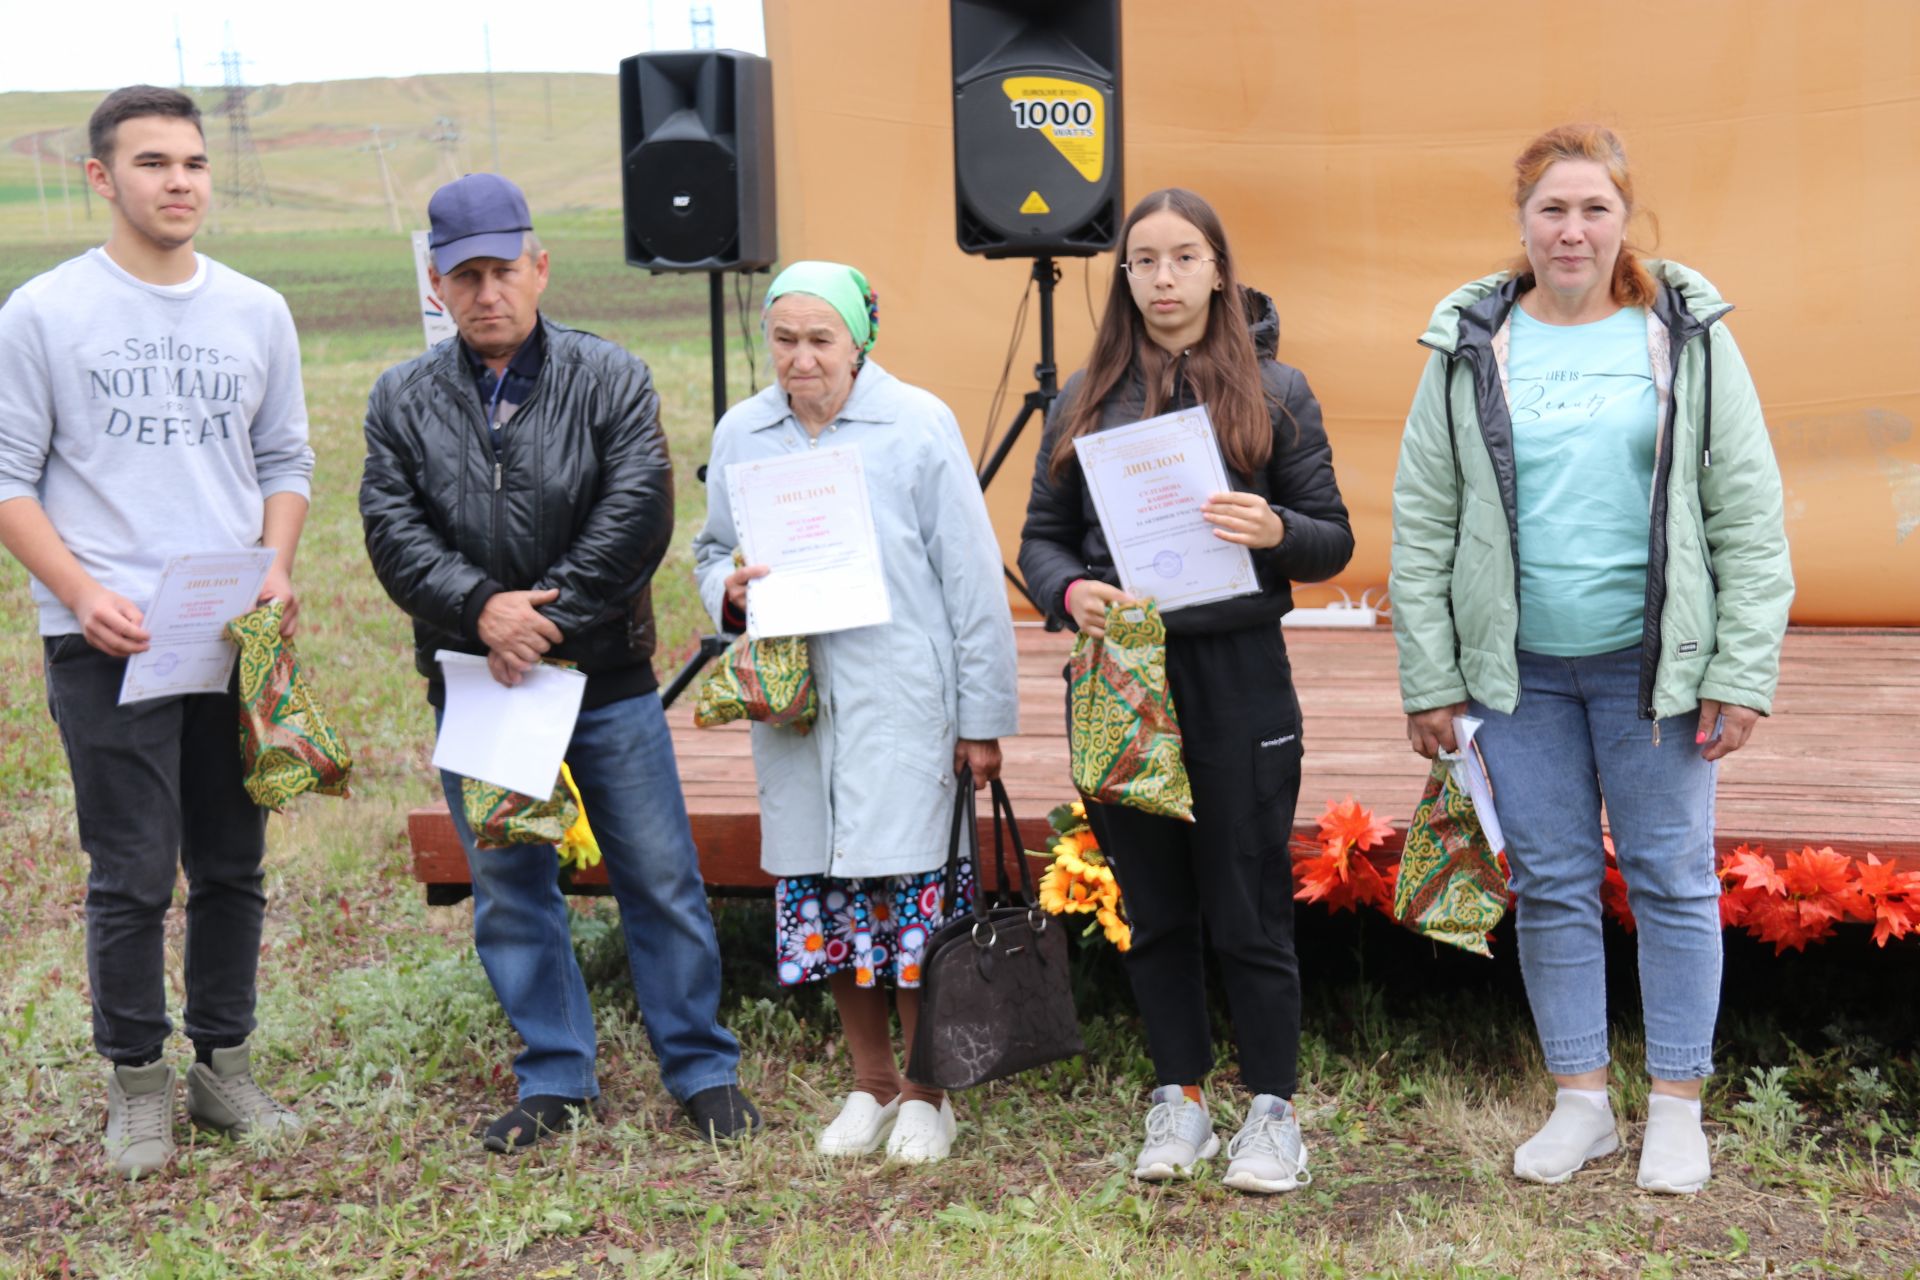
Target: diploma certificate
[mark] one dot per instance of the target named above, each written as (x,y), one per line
(809,519)
(189,651)
(1148,481)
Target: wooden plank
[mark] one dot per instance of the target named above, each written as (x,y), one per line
(1838,763)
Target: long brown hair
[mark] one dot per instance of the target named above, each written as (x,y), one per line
(1221,366)
(1631,286)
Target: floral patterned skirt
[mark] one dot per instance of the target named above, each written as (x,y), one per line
(876,927)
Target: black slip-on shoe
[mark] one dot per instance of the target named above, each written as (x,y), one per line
(533,1119)
(722,1113)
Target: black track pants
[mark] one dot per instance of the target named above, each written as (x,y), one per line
(1228,875)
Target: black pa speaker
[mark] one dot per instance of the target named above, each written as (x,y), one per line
(1036,126)
(696,167)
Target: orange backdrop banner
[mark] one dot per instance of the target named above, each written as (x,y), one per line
(1360,154)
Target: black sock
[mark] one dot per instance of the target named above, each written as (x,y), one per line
(139,1060)
(203,1049)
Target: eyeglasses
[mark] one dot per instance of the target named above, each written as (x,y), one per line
(1145,266)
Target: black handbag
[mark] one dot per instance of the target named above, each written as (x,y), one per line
(995,998)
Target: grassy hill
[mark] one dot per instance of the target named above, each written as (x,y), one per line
(559,138)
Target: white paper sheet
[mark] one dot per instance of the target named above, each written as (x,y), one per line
(809,519)
(1470,773)
(512,737)
(198,596)
(1149,480)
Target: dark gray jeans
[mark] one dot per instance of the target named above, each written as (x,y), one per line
(157,786)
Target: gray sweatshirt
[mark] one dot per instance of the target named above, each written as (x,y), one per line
(149,421)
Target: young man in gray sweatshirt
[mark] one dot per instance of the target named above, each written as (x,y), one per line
(151,406)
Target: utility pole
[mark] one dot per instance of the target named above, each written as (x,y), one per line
(547,82)
(379,150)
(179,53)
(66,199)
(702,21)
(245,177)
(86,188)
(446,135)
(46,223)
(493,121)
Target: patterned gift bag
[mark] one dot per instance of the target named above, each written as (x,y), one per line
(1123,734)
(766,680)
(285,738)
(501,818)
(1451,887)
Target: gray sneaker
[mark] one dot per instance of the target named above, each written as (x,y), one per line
(1179,1137)
(140,1118)
(225,1097)
(1268,1154)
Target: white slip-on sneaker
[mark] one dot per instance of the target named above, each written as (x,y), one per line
(1675,1158)
(922,1133)
(1576,1132)
(1180,1137)
(862,1125)
(1268,1155)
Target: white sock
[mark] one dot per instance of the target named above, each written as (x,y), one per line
(1597,1097)
(1691,1104)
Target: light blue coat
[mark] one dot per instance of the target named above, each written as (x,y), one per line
(870,792)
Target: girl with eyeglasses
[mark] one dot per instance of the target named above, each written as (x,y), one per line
(1180,330)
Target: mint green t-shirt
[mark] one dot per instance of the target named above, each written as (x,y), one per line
(1585,415)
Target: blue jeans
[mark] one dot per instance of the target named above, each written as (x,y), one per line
(1574,741)
(622,761)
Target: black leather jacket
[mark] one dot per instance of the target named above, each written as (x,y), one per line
(1062,540)
(580,500)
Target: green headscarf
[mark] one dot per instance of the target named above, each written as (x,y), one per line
(841,287)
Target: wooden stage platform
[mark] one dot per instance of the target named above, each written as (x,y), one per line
(1838,763)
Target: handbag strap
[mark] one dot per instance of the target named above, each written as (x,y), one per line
(1006,831)
(965,823)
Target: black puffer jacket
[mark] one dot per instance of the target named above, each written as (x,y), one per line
(581,500)
(1062,540)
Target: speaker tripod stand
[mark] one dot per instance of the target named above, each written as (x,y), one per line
(710,646)
(1046,274)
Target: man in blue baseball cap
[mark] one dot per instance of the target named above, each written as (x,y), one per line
(536,536)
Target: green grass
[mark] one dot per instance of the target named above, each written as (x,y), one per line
(1419,1069)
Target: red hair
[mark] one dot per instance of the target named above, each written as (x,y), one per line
(1631,285)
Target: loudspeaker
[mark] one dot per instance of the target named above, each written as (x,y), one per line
(1036,126)
(696,170)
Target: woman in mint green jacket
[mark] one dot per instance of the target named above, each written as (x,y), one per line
(1588,556)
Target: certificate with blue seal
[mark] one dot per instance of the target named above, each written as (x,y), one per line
(1148,481)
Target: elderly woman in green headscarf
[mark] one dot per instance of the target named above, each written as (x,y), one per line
(855,815)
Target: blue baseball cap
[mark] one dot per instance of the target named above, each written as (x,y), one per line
(481,215)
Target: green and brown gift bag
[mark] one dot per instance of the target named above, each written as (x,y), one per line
(286,740)
(766,680)
(1123,734)
(501,818)
(1451,887)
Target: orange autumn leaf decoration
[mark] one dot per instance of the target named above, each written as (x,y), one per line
(1613,889)
(1790,902)
(1801,902)
(1340,877)
(1892,897)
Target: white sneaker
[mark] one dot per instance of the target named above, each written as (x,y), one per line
(1268,1155)
(1180,1137)
(862,1125)
(1675,1158)
(922,1133)
(1576,1132)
